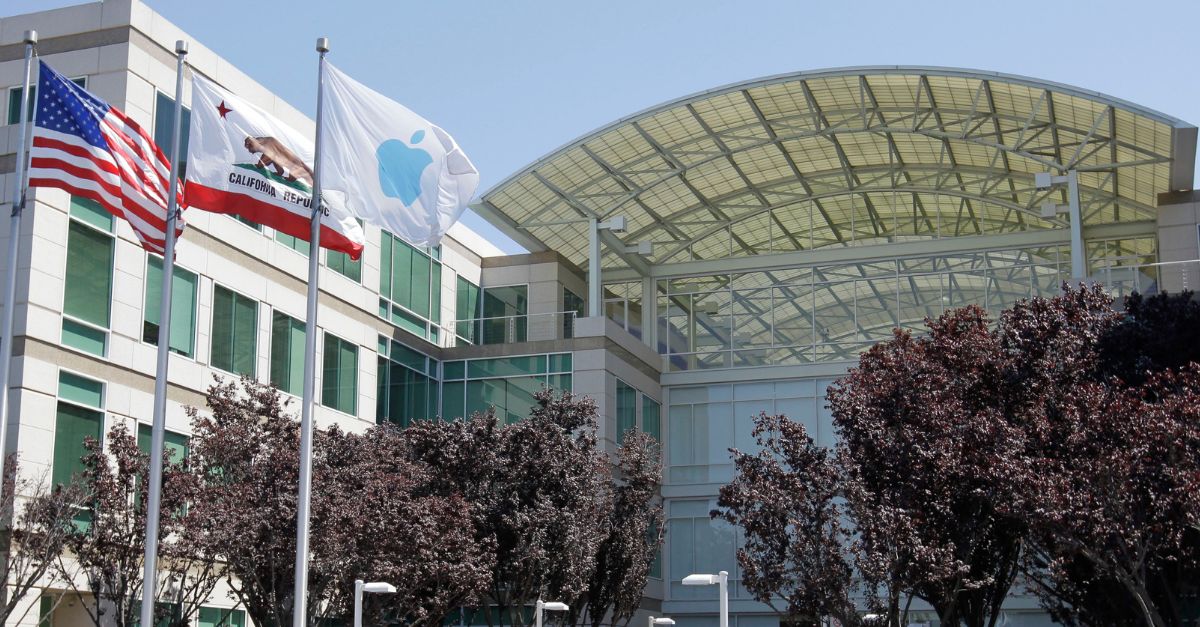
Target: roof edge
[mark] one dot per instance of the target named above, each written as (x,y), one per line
(929,70)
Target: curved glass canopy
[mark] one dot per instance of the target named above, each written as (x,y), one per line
(843,157)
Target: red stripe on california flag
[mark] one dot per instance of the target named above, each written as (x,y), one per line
(267,214)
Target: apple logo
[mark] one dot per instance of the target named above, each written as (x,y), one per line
(400,168)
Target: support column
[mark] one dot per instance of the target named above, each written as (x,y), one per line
(1078,252)
(595,296)
(649,313)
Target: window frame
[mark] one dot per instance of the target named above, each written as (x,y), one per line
(101,410)
(195,305)
(212,328)
(271,349)
(326,334)
(71,318)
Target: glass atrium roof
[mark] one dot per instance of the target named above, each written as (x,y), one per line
(842,157)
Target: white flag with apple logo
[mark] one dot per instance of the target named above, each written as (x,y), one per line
(393,168)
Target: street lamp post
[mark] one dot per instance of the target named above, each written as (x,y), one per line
(378,587)
(720,579)
(547,606)
(661,620)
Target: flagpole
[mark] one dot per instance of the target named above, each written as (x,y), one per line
(154,498)
(14,247)
(300,594)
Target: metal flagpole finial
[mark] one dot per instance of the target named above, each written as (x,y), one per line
(181,47)
(322,45)
(31,37)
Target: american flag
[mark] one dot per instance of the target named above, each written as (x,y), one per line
(84,146)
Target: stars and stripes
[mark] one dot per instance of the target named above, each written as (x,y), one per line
(84,146)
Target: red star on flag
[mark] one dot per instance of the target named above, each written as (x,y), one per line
(222,109)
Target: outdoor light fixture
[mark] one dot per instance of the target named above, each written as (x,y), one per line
(663,620)
(615,224)
(720,579)
(643,248)
(1049,180)
(547,606)
(376,587)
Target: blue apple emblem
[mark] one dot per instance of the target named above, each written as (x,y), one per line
(400,168)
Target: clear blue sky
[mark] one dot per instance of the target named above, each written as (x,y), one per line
(513,80)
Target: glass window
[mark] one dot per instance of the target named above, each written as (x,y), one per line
(504,314)
(295,243)
(342,264)
(339,380)
(234,332)
(650,417)
(287,353)
(221,617)
(572,304)
(626,409)
(183,307)
(405,391)
(466,310)
(14,100)
(174,443)
(74,423)
(164,123)
(87,290)
(410,286)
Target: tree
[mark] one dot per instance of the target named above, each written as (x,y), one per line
(633,534)
(537,490)
(927,447)
(423,544)
(109,550)
(34,538)
(797,548)
(367,520)
(1155,333)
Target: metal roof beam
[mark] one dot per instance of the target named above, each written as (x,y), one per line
(885,252)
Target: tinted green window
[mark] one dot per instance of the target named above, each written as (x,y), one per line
(72,426)
(82,390)
(183,307)
(234,332)
(507,366)
(342,264)
(92,213)
(410,278)
(221,617)
(287,353)
(164,122)
(405,395)
(504,315)
(650,418)
(626,409)
(560,362)
(466,309)
(559,382)
(88,286)
(573,304)
(453,400)
(175,443)
(452,370)
(295,243)
(339,388)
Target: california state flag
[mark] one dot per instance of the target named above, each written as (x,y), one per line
(242,160)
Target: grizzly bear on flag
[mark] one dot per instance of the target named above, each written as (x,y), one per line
(275,154)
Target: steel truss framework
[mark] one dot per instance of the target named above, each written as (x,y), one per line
(843,158)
